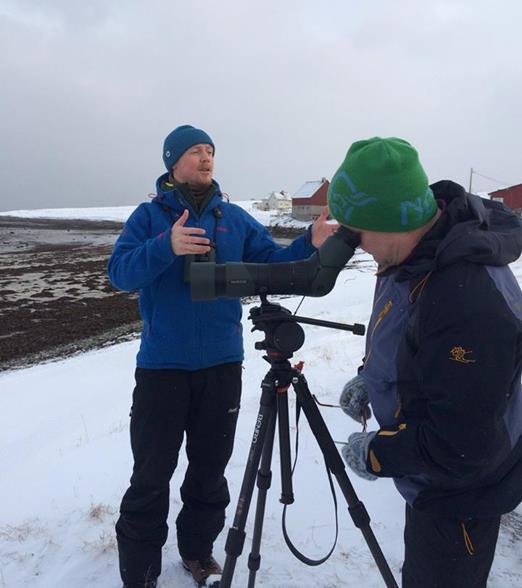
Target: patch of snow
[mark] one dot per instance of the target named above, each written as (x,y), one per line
(66,462)
(110,213)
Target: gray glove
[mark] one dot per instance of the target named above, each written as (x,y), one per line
(355,454)
(354,400)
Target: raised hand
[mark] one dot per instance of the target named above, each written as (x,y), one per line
(184,240)
(322,229)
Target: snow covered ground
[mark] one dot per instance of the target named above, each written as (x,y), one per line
(65,463)
(110,213)
(122,213)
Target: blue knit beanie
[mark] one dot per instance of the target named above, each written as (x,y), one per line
(181,139)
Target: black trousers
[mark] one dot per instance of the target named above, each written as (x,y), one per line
(447,553)
(167,404)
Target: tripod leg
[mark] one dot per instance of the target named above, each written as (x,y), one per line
(264,480)
(287,494)
(236,535)
(336,465)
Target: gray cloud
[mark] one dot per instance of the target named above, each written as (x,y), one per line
(89,90)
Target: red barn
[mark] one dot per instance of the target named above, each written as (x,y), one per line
(309,200)
(510,197)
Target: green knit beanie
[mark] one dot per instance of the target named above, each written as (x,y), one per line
(381,186)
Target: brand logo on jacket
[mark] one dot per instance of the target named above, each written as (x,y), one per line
(459,354)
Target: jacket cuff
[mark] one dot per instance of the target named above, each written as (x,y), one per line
(162,247)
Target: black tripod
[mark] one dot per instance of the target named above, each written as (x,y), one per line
(283,336)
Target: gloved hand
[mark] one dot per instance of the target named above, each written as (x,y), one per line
(354,400)
(355,454)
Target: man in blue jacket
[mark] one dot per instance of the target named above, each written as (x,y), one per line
(443,359)
(188,376)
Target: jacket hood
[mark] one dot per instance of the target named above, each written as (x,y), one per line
(174,198)
(470,229)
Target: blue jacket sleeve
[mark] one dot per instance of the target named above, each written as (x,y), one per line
(261,248)
(138,256)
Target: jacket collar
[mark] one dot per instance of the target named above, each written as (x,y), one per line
(175,200)
(470,229)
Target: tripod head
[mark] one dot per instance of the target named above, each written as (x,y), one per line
(283,334)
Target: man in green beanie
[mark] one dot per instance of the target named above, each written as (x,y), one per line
(443,359)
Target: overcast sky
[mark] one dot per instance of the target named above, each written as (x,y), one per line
(89,90)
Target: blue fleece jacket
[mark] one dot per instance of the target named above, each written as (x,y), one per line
(177,331)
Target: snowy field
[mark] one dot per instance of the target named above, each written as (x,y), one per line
(109,213)
(66,461)
(122,213)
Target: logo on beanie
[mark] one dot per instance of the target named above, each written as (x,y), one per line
(167,153)
(342,202)
(422,206)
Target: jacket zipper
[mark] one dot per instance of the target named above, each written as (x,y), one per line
(382,314)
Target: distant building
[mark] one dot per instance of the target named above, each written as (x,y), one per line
(510,197)
(278,201)
(309,200)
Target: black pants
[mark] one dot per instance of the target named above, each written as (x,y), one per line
(447,553)
(166,405)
